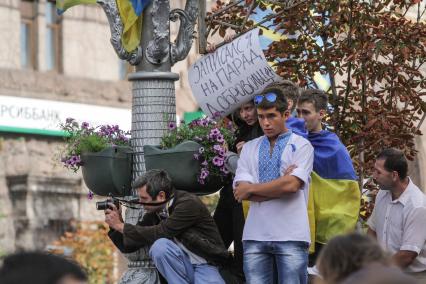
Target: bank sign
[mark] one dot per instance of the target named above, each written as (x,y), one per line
(43,117)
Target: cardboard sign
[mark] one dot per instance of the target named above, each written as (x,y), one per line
(231,76)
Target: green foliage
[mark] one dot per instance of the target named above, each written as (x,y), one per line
(83,138)
(92,249)
(372,54)
(214,138)
(92,143)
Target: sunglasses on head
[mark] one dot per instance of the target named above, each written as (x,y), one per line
(270,97)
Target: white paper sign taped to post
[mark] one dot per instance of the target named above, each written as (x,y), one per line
(231,76)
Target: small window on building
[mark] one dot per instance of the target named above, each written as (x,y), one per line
(28,34)
(53,38)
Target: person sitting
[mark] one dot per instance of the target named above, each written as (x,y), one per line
(185,243)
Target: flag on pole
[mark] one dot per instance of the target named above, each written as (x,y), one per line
(63,5)
(131,17)
(130,13)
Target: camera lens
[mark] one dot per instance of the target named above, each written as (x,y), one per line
(102,205)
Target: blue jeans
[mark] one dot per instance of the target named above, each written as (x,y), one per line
(173,263)
(291,260)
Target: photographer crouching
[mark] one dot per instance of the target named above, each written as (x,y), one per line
(185,243)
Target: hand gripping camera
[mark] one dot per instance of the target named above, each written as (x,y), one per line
(104,205)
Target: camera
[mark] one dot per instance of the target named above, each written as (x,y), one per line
(103,205)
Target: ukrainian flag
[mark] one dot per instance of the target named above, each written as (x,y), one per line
(63,5)
(130,14)
(334,195)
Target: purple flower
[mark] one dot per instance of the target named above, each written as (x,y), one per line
(216,115)
(219,138)
(196,156)
(221,153)
(69,120)
(85,125)
(224,170)
(217,148)
(218,161)
(172,125)
(204,122)
(90,195)
(204,163)
(204,174)
(214,132)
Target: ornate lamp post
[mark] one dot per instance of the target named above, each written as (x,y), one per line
(153,93)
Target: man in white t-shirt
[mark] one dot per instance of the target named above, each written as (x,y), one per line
(276,231)
(398,220)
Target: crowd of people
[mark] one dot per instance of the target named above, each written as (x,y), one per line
(293,199)
(292,208)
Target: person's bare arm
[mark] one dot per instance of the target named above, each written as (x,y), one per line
(404,258)
(371,233)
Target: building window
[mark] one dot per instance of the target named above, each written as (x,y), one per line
(53,38)
(28,34)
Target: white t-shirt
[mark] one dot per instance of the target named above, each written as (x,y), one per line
(285,218)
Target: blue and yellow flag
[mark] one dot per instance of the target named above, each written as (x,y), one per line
(130,14)
(63,5)
(334,195)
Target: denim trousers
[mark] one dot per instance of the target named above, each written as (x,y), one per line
(290,259)
(173,263)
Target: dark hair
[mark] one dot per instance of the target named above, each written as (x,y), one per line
(394,161)
(346,254)
(155,181)
(38,268)
(290,90)
(314,96)
(280,103)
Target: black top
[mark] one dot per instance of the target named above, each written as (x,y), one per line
(246,133)
(189,222)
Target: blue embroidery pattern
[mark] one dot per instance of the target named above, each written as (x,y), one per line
(269,165)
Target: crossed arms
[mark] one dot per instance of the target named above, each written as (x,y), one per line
(293,179)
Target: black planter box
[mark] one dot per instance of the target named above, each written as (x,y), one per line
(180,164)
(108,172)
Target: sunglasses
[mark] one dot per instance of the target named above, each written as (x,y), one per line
(270,97)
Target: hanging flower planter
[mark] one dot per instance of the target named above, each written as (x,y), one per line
(108,172)
(102,152)
(183,169)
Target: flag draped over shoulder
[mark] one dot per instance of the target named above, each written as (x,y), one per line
(334,195)
(297,125)
(130,14)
